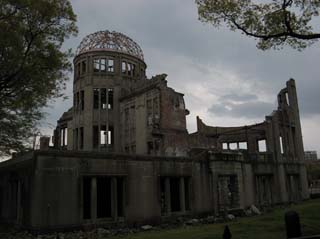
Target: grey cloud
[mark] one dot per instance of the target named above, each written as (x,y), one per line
(238,97)
(253,109)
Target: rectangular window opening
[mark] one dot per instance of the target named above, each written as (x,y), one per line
(103,135)
(96,65)
(120,196)
(95,136)
(233,146)
(225,146)
(110,65)
(187,192)
(262,146)
(243,145)
(82,99)
(103,65)
(124,67)
(281,144)
(110,135)
(83,67)
(81,137)
(110,98)
(103,98)
(175,194)
(96,93)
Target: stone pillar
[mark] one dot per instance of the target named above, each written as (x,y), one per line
(167,196)
(182,195)
(114,198)
(93,198)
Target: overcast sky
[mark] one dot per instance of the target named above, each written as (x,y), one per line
(226,80)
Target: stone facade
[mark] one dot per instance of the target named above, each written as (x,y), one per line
(122,154)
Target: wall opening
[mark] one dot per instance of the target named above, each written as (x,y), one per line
(262,146)
(110,98)
(103,98)
(110,135)
(95,136)
(82,100)
(233,146)
(81,137)
(187,193)
(103,135)
(281,145)
(225,146)
(96,93)
(86,197)
(175,194)
(243,145)
(120,196)
(103,197)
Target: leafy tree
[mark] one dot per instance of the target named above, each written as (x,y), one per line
(274,24)
(33,69)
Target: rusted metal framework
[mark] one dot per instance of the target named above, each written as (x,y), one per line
(111,41)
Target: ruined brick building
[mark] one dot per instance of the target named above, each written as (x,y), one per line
(122,153)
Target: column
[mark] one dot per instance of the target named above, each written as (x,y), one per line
(93,198)
(114,198)
(167,196)
(182,195)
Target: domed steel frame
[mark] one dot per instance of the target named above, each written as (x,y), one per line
(112,41)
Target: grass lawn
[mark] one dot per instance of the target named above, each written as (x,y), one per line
(268,226)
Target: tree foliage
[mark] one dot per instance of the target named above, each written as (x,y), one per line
(274,23)
(33,69)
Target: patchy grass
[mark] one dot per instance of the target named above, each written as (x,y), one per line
(270,225)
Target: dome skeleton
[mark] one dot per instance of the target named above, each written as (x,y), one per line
(113,41)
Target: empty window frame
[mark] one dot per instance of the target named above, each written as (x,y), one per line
(233,146)
(96,65)
(76,138)
(103,135)
(243,145)
(262,145)
(110,98)
(81,137)
(103,98)
(103,65)
(281,144)
(95,136)
(110,65)
(78,70)
(110,135)
(83,67)
(124,67)
(77,101)
(128,68)
(82,100)
(64,136)
(96,93)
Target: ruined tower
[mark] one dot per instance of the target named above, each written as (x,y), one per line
(106,64)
